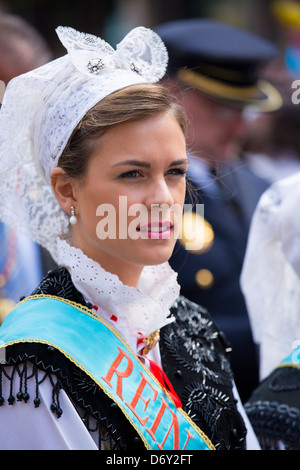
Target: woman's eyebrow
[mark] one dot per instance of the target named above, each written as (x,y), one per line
(134,163)
(148,165)
(183,161)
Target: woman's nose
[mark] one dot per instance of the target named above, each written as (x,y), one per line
(159,193)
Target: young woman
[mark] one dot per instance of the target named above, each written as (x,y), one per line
(105,354)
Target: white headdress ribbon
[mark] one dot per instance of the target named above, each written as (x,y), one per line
(270,277)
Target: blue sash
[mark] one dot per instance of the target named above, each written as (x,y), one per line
(101,352)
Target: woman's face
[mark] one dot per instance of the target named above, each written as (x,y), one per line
(135,167)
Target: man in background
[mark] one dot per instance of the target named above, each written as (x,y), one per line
(22,48)
(213,72)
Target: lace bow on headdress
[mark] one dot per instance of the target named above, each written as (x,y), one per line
(40,110)
(141,51)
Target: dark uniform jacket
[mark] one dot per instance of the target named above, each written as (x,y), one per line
(228,210)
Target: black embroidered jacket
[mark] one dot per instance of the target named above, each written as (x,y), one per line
(195,357)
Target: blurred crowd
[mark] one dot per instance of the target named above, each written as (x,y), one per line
(242,140)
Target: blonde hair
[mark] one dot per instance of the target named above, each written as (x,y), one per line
(131,103)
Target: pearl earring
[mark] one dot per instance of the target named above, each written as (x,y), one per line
(73,218)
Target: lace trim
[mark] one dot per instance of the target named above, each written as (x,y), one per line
(139,312)
(141,51)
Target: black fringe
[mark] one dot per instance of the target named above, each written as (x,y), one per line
(18,391)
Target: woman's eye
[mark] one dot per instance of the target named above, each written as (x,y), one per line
(130,174)
(177,172)
(133,174)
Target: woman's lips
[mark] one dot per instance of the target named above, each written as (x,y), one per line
(157,230)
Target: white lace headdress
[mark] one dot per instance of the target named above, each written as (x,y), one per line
(41,109)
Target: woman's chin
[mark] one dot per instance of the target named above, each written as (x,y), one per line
(157,256)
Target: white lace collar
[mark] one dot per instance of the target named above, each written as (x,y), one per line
(139,312)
